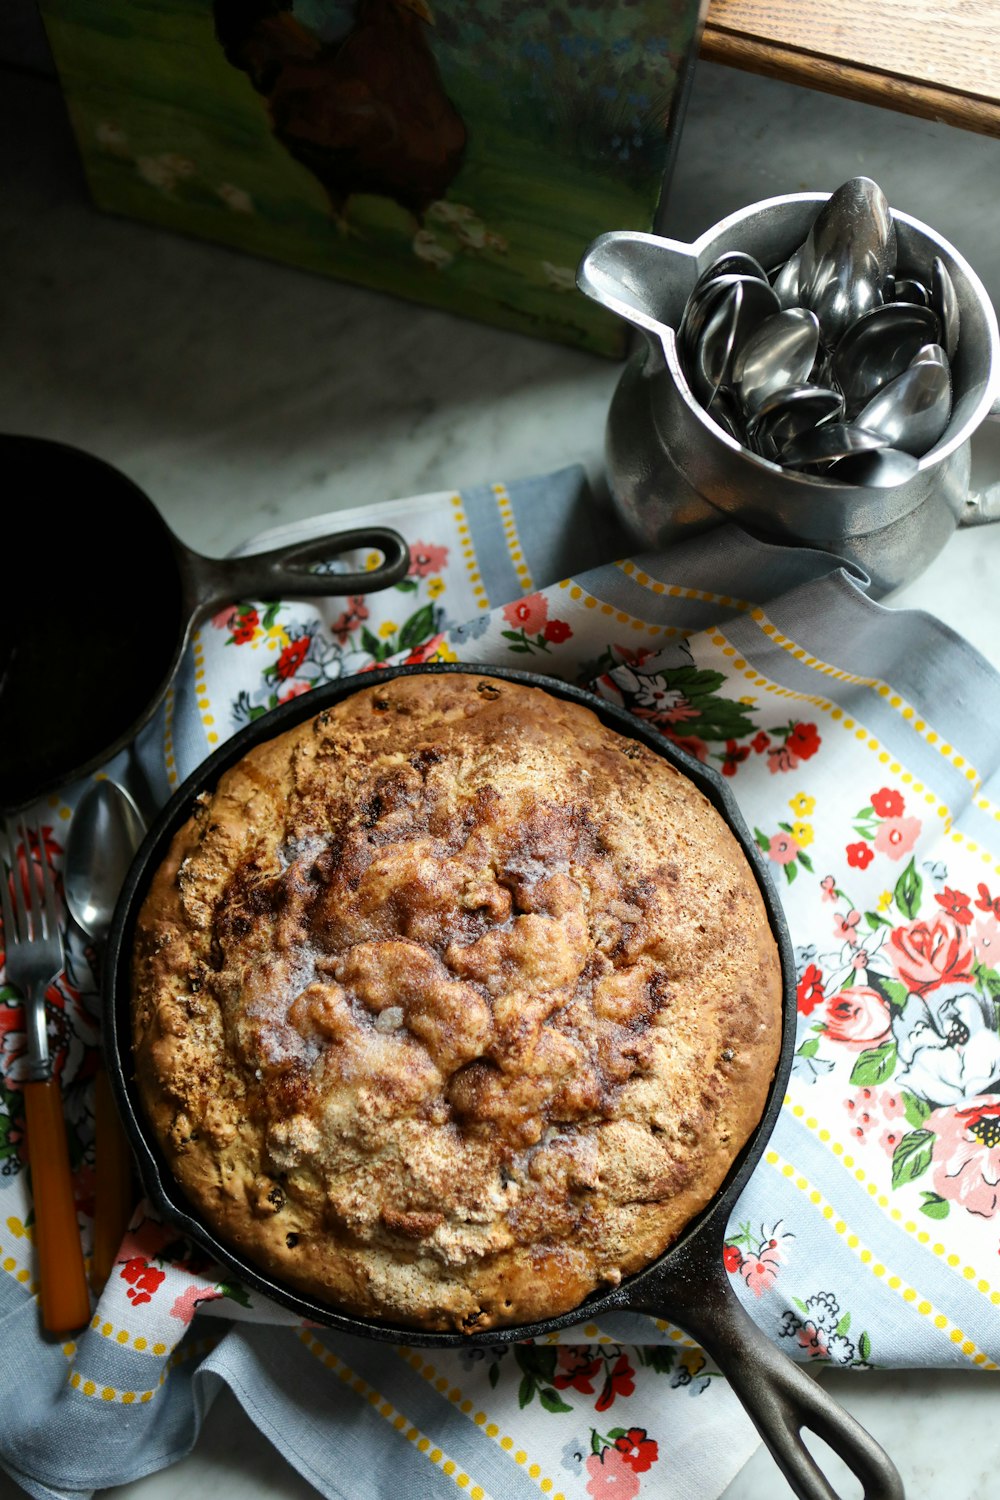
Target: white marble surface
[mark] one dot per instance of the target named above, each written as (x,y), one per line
(239,394)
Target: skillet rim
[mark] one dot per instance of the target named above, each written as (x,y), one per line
(638,1292)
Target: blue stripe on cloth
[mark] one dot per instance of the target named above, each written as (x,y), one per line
(488,1464)
(496,566)
(332,1435)
(563,527)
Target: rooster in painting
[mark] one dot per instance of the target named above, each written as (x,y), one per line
(367,113)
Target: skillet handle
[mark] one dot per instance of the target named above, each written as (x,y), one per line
(285,572)
(778,1395)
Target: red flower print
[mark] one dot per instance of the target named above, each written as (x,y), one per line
(803,741)
(639,1451)
(988,903)
(294,690)
(620,1382)
(809,990)
(576,1368)
(760,741)
(530,613)
(927,954)
(829,887)
(732,1259)
(887,803)
(859,856)
(425,650)
(735,754)
(426,558)
(143,1279)
(858,1016)
(245,626)
(691,743)
(956,904)
(292,657)
(557,631)
(356,611)
(897,836)
(611,1476)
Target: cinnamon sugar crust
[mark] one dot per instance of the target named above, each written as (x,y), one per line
(452,1006)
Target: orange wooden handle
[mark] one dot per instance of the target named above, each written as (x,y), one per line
(114,1194)
(64,1296)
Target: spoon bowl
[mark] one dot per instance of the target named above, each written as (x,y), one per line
(780,352)
(878,347)
(848,253)
(106,831)
(912,410)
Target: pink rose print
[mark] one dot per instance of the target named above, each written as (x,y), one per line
(530,613)
(929,953)
(143,1279)
(760,1272)
(828,885)
(858,1017)
(611,1476)
(224,619)
(293,690)
(426,558)
(783,849)
(897,836)
(986,941)
(638,1450)
(781,759)
(966,1154)
(813,1340)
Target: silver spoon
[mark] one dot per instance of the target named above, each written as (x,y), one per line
(931,354)
(912,410)
(786,282)
(882,469)
(714,352)
(944,300)
(758,302)
(105,832)
(829,442)
(778,353)
(878,346)
(732,263)
(908,289)
(846,256)
(788,412)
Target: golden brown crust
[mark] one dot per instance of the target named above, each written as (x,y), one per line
(452,1006)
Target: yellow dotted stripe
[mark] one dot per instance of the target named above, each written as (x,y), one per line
(14,1266)
(122,1336)
(868,1258)
(922,1236)
(469,553)
(589,601)
(61,809)
(111,1393)
(985,805)
(675,591)
(201,692)
(868,740)
(512,539)
(447,1388)
(905,710)
(394,1417)
(169,758)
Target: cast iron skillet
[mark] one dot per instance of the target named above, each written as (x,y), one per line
(688,1284)
(97,612)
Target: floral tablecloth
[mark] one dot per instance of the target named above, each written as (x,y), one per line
(862,747)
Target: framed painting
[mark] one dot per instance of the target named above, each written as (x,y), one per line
(458,153)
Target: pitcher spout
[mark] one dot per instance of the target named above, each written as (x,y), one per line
(642,278)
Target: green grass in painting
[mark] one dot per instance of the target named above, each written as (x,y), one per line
(157,74)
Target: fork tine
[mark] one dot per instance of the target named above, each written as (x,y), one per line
(34,921)
(22,926)
(48,884)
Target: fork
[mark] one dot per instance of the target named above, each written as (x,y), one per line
(33,958)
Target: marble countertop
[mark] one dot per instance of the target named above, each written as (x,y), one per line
(240,394)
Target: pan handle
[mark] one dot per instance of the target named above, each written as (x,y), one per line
(779,1397)
(286,572)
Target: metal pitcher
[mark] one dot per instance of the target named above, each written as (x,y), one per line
(673,471)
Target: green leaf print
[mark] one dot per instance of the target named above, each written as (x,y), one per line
(844,1326)
(525,1390)
(909,889)
(912,1156)
(934,1206)
(875,1065)
(915,1110)
(418,628)
(865,1347)
(551,1400)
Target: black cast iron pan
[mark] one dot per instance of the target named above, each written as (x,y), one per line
(100,599)
(688,1284)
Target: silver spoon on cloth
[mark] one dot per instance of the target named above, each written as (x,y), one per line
(106,830)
